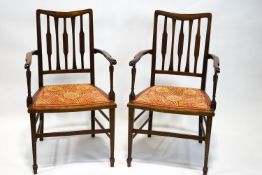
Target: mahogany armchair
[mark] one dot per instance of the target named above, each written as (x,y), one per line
(68,97)
(173,99)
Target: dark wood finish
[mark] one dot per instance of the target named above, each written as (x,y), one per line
(197,45)
(150,123)
(74,42)
(188,48)
(82,41)
(180,45)
(49,43)
(38,131)
(57,45)
(164,43)
(205,118)
(33,135)
(65,44)
(104,115)
(172,45)
(93,118)
(130,135)
(139,115)
(112,136)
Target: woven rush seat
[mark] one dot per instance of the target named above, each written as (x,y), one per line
(174,99)
(70,97)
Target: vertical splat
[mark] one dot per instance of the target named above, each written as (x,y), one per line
(74,46)
(197,45)
(164,43)
(82,41)
(172,45)
(49,43)
(57,45)
(65,44)
(180,44)
(188,47)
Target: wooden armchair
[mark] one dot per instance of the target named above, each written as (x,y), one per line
(172,99)
(67,97)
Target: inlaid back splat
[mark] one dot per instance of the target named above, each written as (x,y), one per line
(49,43)
(65,44)
(82,41)
(164,43)
(57,45)
(185,50)
(197,45)
(172,45)
(180,44)
(74,42)
(70,28)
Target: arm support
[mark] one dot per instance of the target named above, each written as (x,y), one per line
(138,56)
(28,61)
(106,55)
(216,64)
(111,70)
(132,63)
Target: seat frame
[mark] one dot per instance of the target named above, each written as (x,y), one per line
(205,120)
(37,128)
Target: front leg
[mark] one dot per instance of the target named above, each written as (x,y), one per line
(34,139)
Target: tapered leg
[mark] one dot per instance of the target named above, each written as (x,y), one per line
(112,136)
(93,121)
(33,135)
(42,125)
(130,135)
(207,143)
(150,122)
(199,127)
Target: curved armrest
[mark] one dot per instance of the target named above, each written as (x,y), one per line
(28,58)
(132,63)
(106,55)
(216,62)
(138,56)
(28,61)
(215,78)
(112,62)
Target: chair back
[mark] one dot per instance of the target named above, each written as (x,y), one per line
(181,43)
(65,42)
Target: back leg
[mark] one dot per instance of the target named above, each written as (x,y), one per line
(199,127)
(93,122)
(150,122)
(42,125)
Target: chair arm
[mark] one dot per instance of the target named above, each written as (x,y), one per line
(112,62)
(138,56)
(106,55)
(28,61)
(216,62)
(28,58)
(132,63)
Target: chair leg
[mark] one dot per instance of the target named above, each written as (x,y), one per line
(112,136)
(42,125)
(93,121)
(199,127)
(207,143)
(130,135)
(150,122)
(33,135)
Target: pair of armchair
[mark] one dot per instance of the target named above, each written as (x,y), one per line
(88,97)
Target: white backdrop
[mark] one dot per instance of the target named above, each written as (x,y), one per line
(124,27)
